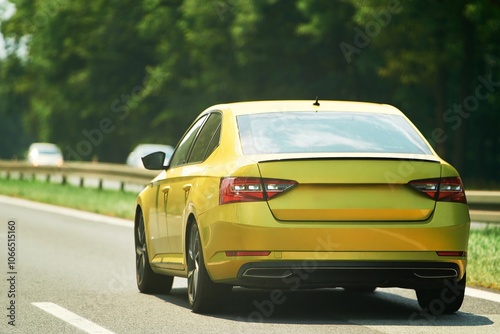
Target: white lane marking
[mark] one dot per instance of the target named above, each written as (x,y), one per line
(67,211)
(72,318)
(491,296)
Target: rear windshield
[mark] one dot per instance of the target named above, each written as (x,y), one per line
(48,150)
(330,132)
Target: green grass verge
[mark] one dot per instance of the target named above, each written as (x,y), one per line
(484,244)
(483,268)
(108,202)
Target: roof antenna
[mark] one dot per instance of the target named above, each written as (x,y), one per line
(316,103)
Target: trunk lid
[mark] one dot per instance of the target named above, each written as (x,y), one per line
(364,190)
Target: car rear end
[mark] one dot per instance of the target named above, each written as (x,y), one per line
(338,195)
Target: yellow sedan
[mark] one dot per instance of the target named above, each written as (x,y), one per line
(303,194)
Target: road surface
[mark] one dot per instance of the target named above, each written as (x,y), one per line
(69,271)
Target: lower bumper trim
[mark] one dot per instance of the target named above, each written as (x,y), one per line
(311,274)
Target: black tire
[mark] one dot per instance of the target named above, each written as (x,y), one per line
(204,295)
(147,280)
(445,300)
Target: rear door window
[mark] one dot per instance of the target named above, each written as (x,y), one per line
(181,153)
(207,140)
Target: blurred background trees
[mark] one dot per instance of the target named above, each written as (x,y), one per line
(99,77)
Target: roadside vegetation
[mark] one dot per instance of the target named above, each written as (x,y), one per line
(484,244)
(107,202)
(483,268)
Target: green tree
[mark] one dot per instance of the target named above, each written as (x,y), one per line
(82,57)
(100,77)
(14,101)
(439,52)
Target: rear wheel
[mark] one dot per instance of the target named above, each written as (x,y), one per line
(443,300)
(147,280)
(204,295)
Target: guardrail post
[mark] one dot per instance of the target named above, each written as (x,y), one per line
(64,181)
(47,178)
(122,186)
(82,182)
(100,184)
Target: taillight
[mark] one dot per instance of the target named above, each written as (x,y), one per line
(250,189)
(446,189)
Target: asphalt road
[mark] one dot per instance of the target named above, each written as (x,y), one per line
(73,272)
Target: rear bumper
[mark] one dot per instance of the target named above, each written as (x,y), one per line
(337,253)
(314,274)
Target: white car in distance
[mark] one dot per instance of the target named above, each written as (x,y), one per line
(45,154)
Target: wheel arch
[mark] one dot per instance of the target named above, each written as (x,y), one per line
(189,222)
(139,211)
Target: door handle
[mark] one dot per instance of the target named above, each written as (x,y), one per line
(165,189)
(186,189)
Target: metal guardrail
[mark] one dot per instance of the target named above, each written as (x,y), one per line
(82,170)
(484,206)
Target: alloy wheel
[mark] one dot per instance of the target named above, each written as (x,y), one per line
(194,264)
(140,250)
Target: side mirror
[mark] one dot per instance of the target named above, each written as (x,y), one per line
(154,161)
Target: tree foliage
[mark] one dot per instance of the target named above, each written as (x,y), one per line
(99,77)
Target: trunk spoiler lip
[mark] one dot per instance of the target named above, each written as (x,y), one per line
(301,157)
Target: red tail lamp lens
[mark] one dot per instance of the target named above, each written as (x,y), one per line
(446,189)
(451,190)
(250,189)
